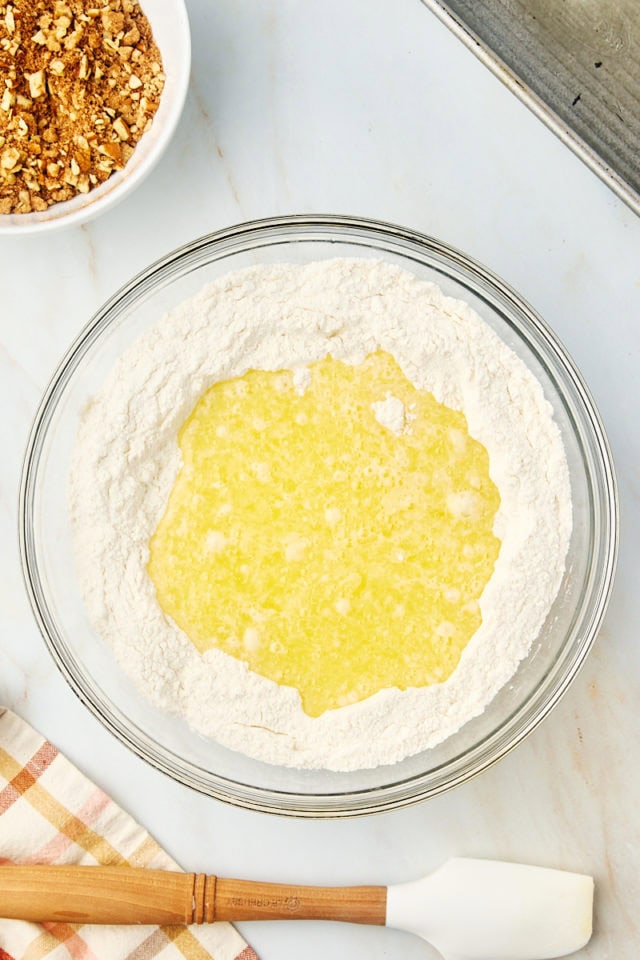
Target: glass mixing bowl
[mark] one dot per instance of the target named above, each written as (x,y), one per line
(167,742)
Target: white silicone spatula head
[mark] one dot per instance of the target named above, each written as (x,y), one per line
(489,910)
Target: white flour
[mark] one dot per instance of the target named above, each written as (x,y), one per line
(391,413)
(274,317)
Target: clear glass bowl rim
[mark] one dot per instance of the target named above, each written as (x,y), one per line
(343,803)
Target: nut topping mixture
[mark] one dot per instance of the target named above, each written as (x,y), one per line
(80,83)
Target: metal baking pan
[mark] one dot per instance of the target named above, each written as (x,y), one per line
(575,63)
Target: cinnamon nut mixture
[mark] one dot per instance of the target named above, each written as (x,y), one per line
(80,83)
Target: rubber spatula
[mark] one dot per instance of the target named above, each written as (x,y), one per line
(467,909)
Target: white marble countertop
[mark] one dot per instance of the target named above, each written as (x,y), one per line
(364,107)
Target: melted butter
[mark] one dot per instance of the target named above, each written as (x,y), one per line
(310,541)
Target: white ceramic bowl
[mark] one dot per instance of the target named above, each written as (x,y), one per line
(170,25)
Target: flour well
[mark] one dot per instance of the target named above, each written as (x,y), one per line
(285,317)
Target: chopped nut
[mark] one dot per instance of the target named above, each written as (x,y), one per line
(8,100)
(73,39)
(24,202)
(56,67)
(134,82)
(36,84)
(10,158)
(82,154)
(112,22)
(112,150)
(121,128)
(9,21)
(62,26)
(132,36)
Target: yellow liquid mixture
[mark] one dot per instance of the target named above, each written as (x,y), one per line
(313,543)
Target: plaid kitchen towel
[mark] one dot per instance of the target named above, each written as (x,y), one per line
(51,813)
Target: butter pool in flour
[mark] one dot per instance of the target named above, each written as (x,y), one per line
(330,551)
(329,316)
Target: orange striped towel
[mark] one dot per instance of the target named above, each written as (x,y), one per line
(51,813)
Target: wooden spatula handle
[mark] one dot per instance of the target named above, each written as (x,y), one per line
(250,900)
(127,895)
